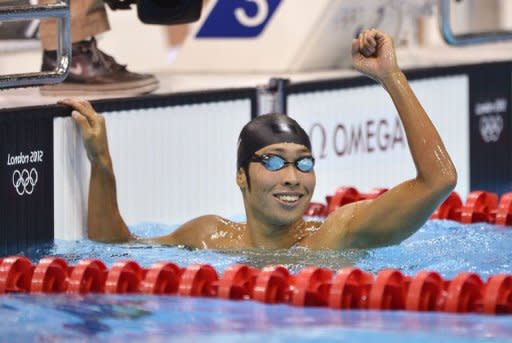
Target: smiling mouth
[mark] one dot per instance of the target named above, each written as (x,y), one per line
(288,198)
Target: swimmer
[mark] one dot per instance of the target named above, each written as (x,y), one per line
(276,176)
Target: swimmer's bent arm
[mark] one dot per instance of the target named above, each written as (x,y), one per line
(399,212)
(104,221)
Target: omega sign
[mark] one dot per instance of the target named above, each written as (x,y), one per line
(365,137)
(24,178)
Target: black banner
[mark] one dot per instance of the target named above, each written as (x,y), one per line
(490,128)
(26,178)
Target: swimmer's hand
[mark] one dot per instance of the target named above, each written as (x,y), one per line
(92,127)
(373,54)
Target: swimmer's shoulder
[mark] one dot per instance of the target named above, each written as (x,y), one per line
(197,232)
(334,232)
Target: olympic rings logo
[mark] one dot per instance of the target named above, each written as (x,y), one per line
(24,181)
(491,127)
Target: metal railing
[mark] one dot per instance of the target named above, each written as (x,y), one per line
(469,38)
(58,11)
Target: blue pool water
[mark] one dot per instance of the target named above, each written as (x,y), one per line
(445,246)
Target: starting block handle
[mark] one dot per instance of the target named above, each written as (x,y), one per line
(59,11)
(466,39)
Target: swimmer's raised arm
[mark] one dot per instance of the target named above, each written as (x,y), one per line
(398,213)
(104,221)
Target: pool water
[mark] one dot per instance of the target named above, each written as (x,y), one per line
(102,318)
(444,246)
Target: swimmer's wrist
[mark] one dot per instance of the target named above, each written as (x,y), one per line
(392,78)
(101,161)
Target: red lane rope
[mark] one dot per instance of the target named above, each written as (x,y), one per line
(480,206)
(348,288)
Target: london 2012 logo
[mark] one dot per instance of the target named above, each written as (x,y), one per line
(490,118)
(24,181)
(238,18)
(24,178)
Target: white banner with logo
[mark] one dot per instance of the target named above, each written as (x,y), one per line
(358,139)
(281,35)
(172,164)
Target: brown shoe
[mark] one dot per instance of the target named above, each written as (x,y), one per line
(92,72)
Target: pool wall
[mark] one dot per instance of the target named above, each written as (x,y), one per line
(174,155)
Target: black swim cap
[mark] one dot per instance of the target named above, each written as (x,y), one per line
(266,130)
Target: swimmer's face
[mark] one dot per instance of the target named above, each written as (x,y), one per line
(278,197)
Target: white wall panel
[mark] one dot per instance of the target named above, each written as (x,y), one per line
(71,180)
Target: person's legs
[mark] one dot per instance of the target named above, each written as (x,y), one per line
(92,72)
(176,35)
(88,18)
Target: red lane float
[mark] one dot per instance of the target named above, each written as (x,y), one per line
(50,276)
(161,278)
(504,211)
(311,287)
(425,292)
(479,207)
(198,280)
(124,277)
(15,274)
(349,288)
(272,285)
(237,282)
(343,196)
(347,195)
(464,293)
(388,291)
(498,295)
(88,276)
(450,209)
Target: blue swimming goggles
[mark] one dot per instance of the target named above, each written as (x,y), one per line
(275,162)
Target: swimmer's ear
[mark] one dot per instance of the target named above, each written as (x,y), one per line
(241,179)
